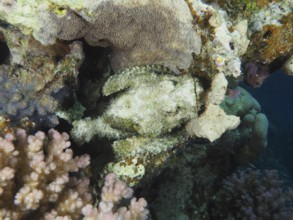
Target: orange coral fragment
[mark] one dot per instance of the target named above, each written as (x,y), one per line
(273,41)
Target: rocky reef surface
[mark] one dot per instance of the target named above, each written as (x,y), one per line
(150,90)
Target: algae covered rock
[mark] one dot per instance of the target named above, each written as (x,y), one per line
(147,112)
(149,102)
(37,79)
(154,105)
(138,32)
(170,66)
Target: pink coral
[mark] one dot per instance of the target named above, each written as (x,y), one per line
(34,177)
(233,93)
(112,192)
(255,194)
(35,182)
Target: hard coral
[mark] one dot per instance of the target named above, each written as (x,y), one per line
(35,177)
(254,194)
(146,33)
(113,192)
(33,83)
(272,41)
(271,33)
(249,139)
(142,32)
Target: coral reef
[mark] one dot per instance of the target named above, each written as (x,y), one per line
(224,42)
(212,123)
(249,139)
(113,192)
(134,37)
(150,103)
(271,33)
(35,182)
(37,79)
(269,27)
(247,7)
(35,177)
(191,177)
(153,85)
(254,194)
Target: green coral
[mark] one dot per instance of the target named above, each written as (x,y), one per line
(241,104)
(247,7)
(251,133)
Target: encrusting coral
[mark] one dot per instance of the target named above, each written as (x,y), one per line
(271,33)
(134,37)
(212,123)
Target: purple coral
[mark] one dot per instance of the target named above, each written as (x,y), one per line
(255,194)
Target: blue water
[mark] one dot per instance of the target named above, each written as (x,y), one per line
(276,99)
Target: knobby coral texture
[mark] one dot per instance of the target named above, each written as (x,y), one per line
(35,181)
(255,194)
(113,192)
(155,77)
(37,79)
